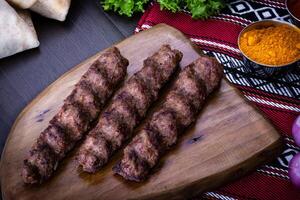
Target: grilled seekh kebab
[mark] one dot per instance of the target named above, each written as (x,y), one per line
(178,111)
(128,107)
(76,116)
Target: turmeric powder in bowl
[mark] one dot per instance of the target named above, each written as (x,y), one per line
(273,45)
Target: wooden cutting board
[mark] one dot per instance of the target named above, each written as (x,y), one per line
(229,139)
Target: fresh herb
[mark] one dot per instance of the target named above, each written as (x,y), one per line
(204,8)
(172,5)
(200,9)
(125,7)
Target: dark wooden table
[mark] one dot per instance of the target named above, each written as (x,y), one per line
(87,30)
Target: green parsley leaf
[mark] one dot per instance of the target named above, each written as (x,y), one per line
(200,9)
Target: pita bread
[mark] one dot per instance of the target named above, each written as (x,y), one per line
(15,34)
(22,3)
(25,15)
(55,9)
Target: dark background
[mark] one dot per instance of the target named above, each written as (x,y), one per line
(86,31)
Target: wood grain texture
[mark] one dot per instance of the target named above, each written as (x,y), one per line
(229,139)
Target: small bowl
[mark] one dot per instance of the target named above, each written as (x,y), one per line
(295,19)
(261,69)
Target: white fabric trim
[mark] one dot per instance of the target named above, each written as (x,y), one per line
(146,26)
(201,41)
(230,20)
(275,168)
(268,4)
(293,146)
(227,15)
(270,103)
(219,196)
(272,173)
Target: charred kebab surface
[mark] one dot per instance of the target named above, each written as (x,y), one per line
(74,119)
(128,107)
(178,111)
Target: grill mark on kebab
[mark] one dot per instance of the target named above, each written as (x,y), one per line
(127,109)
(75,117)
(178,111)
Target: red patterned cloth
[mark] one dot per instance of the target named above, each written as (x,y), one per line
(277,98)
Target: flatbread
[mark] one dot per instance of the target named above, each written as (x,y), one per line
(25,15)
(55,9)
(16,33)
(22,3)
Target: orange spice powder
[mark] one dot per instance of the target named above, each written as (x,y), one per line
(275,45)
